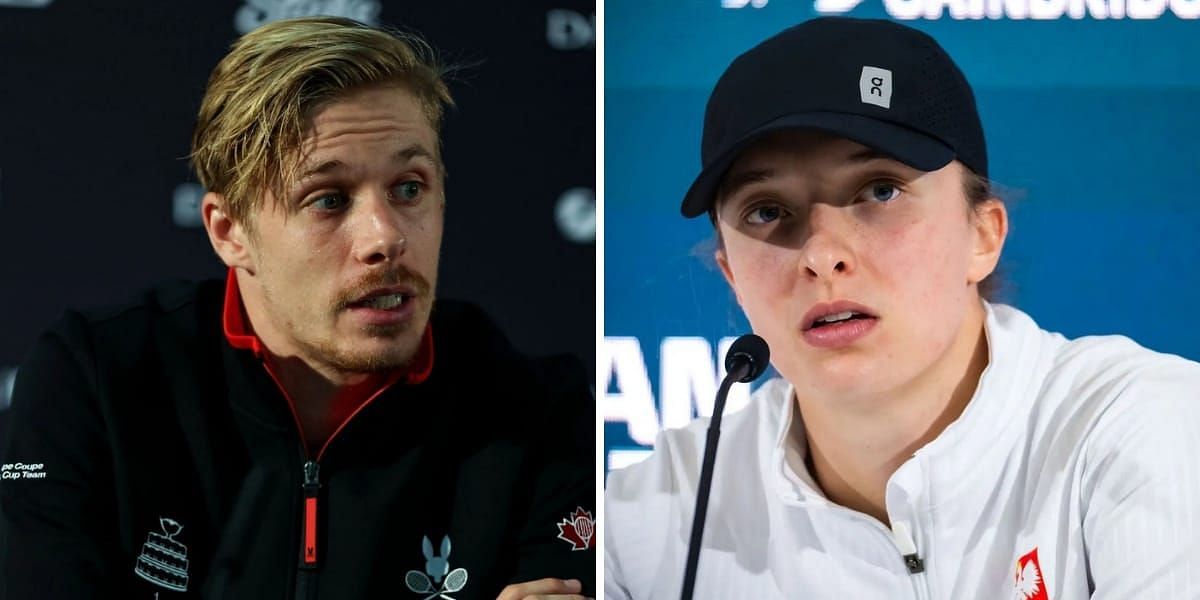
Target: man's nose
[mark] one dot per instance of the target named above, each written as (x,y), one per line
(379,230)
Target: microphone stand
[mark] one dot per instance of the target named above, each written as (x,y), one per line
(739,372)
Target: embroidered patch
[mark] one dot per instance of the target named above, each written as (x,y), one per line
(437,572)
(875,86)
(578,529)
(163,560)
(1029,584)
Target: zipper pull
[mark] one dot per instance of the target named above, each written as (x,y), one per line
(908,550)
(311,485)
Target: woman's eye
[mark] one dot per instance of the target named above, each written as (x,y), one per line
(409,190)
(329,202)
(763,215)
(881,192)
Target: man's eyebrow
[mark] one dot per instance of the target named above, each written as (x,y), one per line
(736,181)
(403,155)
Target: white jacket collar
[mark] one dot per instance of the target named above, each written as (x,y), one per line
(970,447)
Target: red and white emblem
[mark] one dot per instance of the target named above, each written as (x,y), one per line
(578,529)
(1030,585)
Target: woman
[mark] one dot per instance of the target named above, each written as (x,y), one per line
(921,442)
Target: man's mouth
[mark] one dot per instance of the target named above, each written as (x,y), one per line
(385,302)
(383,299)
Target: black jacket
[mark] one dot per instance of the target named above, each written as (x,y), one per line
(153,456)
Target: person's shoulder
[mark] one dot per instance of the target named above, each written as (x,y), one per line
(1118,359)
(746,443)
(549,397)
(461,320)
(648,503)
(1152,400)
(1083,370)
(1139,448)
(181,310)
(1099,390)
(116,348)
(467,337)
(1115,369)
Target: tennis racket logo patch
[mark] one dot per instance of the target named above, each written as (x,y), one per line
(437,580)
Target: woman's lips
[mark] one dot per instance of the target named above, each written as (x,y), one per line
(840,334)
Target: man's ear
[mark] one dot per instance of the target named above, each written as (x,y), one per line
(229,238)
(991,229)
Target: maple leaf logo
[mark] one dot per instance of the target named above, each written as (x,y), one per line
(578,529)
(1028,584)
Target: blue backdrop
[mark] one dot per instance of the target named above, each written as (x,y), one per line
(1092,119)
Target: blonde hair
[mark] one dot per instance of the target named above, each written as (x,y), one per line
(261,97)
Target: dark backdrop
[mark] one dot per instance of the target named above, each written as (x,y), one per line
(97,201)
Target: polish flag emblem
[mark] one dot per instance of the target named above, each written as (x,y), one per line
(578,529)
(1030,585)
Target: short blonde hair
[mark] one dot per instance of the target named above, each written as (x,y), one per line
(261,97)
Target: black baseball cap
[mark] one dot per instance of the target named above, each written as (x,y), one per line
(881,84)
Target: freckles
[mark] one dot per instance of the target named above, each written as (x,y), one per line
(917,260)
(764,274)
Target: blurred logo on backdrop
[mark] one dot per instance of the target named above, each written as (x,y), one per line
(961,10)
(26,3)
(185,205)
(575,214)
(8,378)
(255,13)
(569,30)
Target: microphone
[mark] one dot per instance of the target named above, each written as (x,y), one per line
(747,358)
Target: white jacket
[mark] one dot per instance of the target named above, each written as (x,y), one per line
(1074,472)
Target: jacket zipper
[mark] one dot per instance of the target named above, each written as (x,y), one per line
(307,571)
(902,536)
(306,574)
(310,487)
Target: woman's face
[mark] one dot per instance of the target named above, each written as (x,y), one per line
(859,271)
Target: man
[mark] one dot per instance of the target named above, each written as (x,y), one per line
(921,442)
(317,425)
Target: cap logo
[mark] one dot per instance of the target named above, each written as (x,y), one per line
(875,86)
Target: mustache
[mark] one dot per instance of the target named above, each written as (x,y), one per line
(399,276)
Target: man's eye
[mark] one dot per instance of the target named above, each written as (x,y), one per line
(881,191)
(409,190)
(764,214)
(330,202)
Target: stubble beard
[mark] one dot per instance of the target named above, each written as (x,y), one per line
(395,346)
(400,344)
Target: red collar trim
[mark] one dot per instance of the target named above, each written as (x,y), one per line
(239,335)
(422,364)
(233,319)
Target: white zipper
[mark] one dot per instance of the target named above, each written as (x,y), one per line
(902,535)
